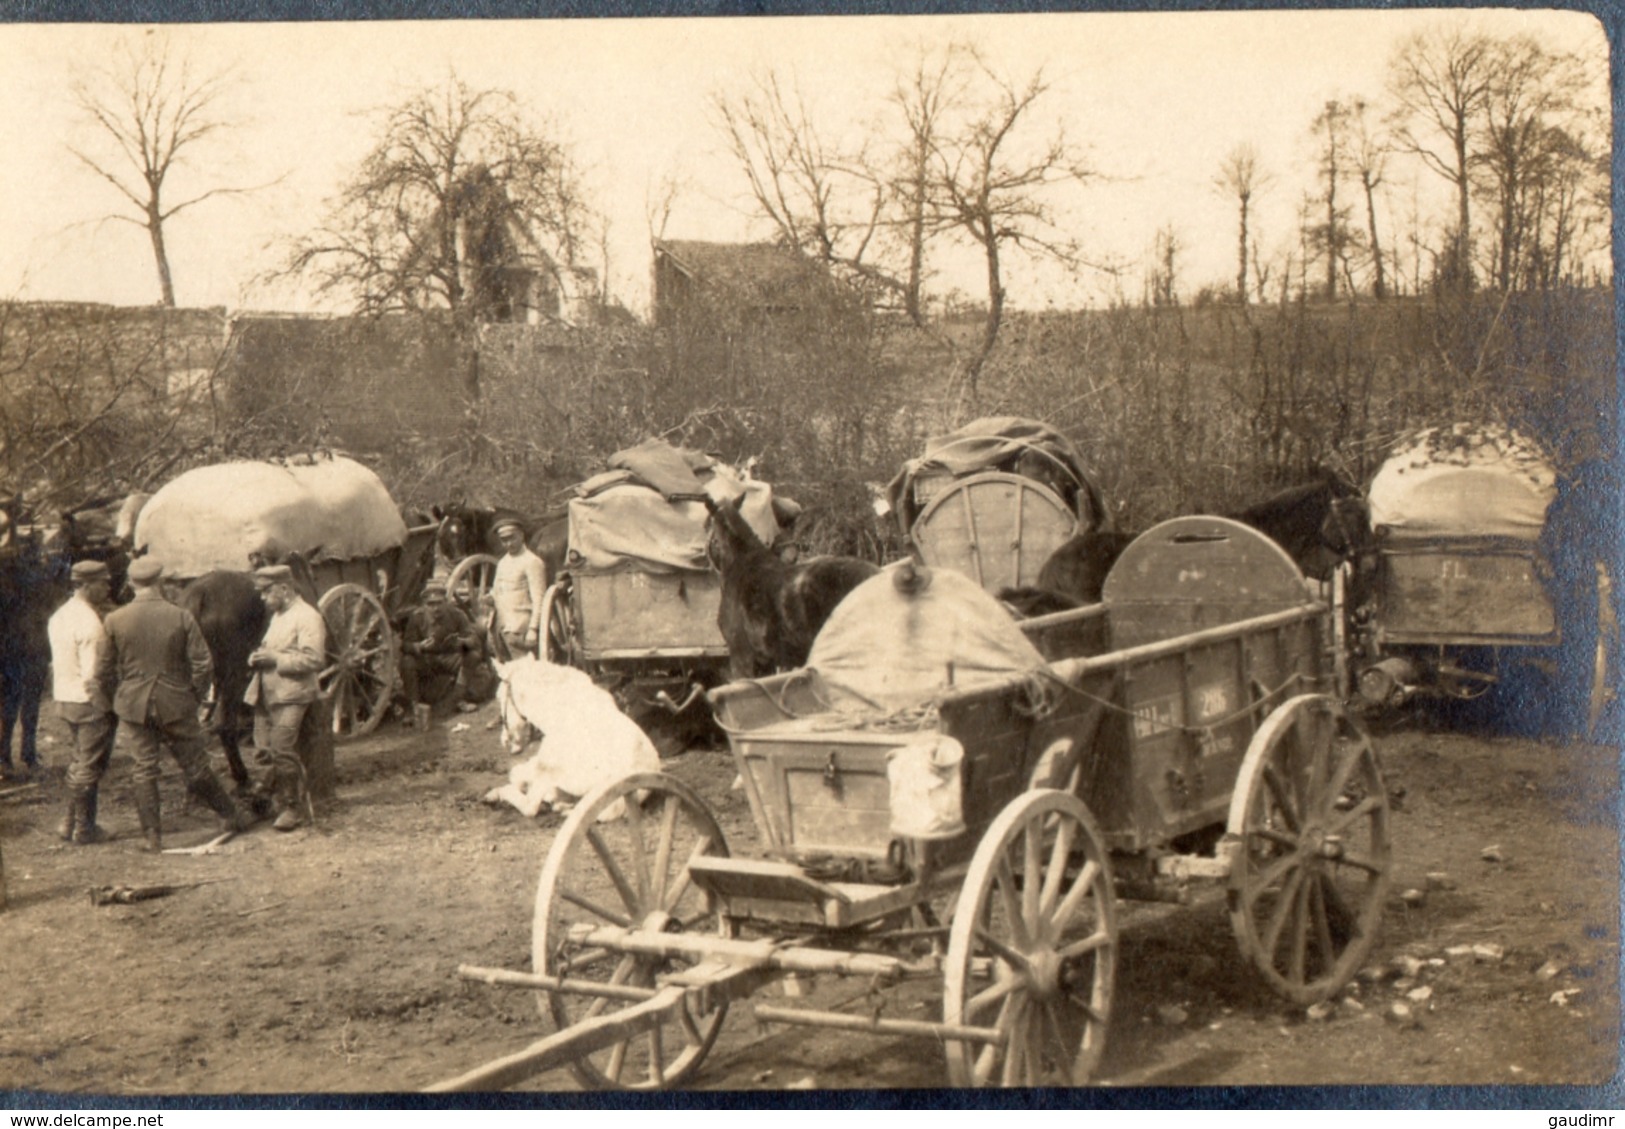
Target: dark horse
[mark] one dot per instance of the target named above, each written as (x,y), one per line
(1320,524)
(232,616)
(33,584)
(771,611)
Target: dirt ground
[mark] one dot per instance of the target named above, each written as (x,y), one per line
(324,960)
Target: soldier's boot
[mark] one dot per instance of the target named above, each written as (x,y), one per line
(87,830)
(290,801)
(207,788)
(71,820)
(146,807)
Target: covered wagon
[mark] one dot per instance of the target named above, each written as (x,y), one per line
(1466,583)
(333,514)
(637,601)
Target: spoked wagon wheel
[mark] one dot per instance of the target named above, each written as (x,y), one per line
(472,578)
(360,675)
(558,636)
(1033,948)
(629,871)
(1308,882)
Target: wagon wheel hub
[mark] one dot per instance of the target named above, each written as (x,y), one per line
(661,922)
(1044,973)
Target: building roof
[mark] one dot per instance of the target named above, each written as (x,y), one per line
(760,269)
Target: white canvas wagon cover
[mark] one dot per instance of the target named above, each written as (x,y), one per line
(645,511)
(1464,481)
(893,648)
(326,507)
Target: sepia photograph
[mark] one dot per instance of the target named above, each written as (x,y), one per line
(780,553)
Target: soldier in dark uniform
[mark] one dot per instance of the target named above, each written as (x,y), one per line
(156,655)
(439,642)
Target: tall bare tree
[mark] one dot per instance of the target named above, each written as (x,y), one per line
(989,184)
(830,203)
(960,164)
(148,114)
(1440,80)
(1368,155)
(1331,129)
(1241,177)
(1531,113)
(459,198)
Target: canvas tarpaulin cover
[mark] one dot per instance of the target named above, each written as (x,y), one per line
(645,510)
(999,443)
(1464,481)
(890,648)
(329,508)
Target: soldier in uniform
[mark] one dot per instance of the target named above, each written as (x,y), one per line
(284,685)
(83,703)
(157,658)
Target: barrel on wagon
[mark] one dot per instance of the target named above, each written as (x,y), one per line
(994,498)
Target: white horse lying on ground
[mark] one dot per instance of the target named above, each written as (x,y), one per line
(581,737)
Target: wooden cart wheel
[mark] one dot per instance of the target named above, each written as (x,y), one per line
(558,636)
(1310,818)
(360,674)
(1033,947)
(629,871)
(472,578)
(1604,656)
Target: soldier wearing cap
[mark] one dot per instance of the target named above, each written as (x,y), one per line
(517,589)
(160,664)
(439,640)
(285,665)
(82,702)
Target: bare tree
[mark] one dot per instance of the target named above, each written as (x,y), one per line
(1241,177)
(958,165)
(1528,138)
(1440,80)
(1369,156)
(1331,128)
(988,186)
(462,205)
(146,115)
(833,204)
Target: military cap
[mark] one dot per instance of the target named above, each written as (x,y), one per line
(434,587)
(83,572)
(508,523)
(145,570)
(272,574)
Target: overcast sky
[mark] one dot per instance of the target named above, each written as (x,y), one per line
(1157,100)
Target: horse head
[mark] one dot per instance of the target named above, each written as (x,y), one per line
(517,731)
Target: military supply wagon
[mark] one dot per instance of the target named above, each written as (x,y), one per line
(937,804)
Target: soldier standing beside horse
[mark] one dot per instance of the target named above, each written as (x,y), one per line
(157,657)
(82,701)
(284,685)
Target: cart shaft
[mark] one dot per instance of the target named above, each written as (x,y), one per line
(567,1046)
(749,954)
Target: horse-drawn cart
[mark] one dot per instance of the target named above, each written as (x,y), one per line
(937,803)
(1477,575)
(365,567)
(636,603)
(994,499)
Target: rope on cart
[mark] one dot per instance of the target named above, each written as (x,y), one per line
(1206,729)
